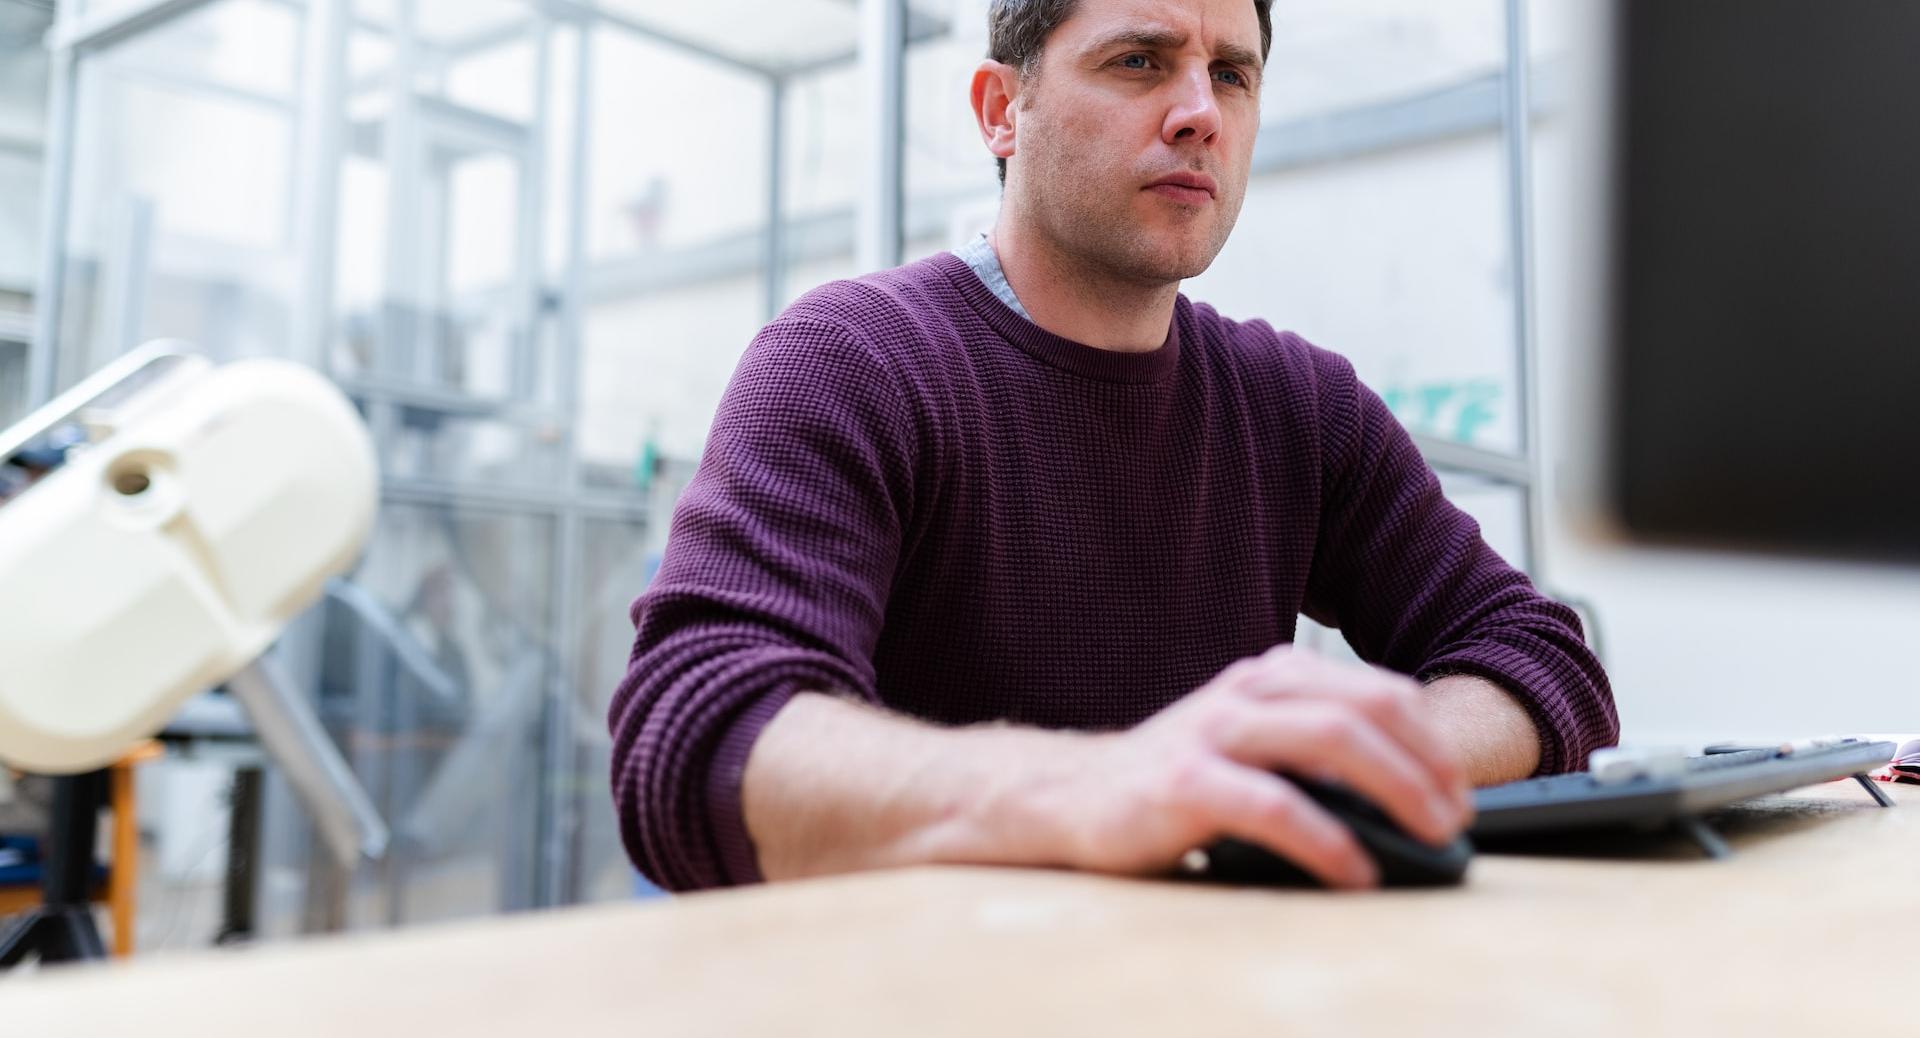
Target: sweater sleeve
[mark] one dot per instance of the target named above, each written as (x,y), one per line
(1412,585)
(775,581)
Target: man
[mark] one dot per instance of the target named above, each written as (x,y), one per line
(995,557)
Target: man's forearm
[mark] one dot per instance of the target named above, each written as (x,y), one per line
(1490,730)
(834,786)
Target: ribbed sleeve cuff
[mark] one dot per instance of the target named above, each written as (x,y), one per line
(1538,688)
(726,820)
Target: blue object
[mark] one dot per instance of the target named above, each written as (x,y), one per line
(21,863)
(642,888)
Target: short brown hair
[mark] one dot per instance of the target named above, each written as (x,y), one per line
(1018,29)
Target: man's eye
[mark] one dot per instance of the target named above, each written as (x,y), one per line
(1135,61)
(1232,77)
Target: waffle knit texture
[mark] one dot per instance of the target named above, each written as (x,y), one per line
(915,497)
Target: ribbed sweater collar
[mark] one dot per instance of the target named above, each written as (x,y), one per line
(1065,354)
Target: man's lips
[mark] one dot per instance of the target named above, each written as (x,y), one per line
(1192,188)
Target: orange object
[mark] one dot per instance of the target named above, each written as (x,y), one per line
(123,871)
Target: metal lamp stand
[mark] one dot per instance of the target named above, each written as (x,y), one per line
(61,927)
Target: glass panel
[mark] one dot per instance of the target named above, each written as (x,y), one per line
(448,24)
(677,234)
(769,34)
(369,59)
(242,44)
(829,141)
(480,56)
(655,366)
(478,262)
(429,444)
(433,287)
(14,333)
(825,142)
(179,222)
(953,185)
(360,257)
(661,177)
(617,561)
(19,222)
(822,175)
(484,314)
(499,80)
(1333,54)
(449,749)
(100,8)
(777,35)
(23,88)
(1554,31)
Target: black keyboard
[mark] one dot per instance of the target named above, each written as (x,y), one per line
(1664,791)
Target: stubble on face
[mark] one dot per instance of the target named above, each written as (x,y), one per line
(1081,194)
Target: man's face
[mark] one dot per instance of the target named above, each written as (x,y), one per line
(1135,135)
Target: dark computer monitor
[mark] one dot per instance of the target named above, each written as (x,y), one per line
(1766,275)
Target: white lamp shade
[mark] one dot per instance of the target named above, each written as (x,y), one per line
(158,562)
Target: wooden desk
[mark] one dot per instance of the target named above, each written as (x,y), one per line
(1810,925)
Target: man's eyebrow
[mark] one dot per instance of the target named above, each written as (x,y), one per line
(1146,39)
(1167,39)
(1235,54)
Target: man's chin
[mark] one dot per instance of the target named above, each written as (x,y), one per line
(1166,261)
(1144,250)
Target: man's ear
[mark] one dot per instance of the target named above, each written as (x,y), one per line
(996,86)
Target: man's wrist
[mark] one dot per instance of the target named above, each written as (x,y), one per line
(1488,726)
(1022,806)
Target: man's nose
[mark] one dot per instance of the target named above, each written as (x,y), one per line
(1195,112)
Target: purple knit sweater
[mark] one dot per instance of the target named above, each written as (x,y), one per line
(914,496)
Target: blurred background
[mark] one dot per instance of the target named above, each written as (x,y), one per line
(531,238)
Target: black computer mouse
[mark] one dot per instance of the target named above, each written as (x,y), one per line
(1404,860)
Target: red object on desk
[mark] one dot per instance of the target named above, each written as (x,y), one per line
(1906,764)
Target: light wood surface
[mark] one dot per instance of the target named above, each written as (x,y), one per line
(1807,931)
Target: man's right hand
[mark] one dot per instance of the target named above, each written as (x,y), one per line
(833,786)
(1203,768)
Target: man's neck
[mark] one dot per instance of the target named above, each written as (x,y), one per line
(1074,301)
